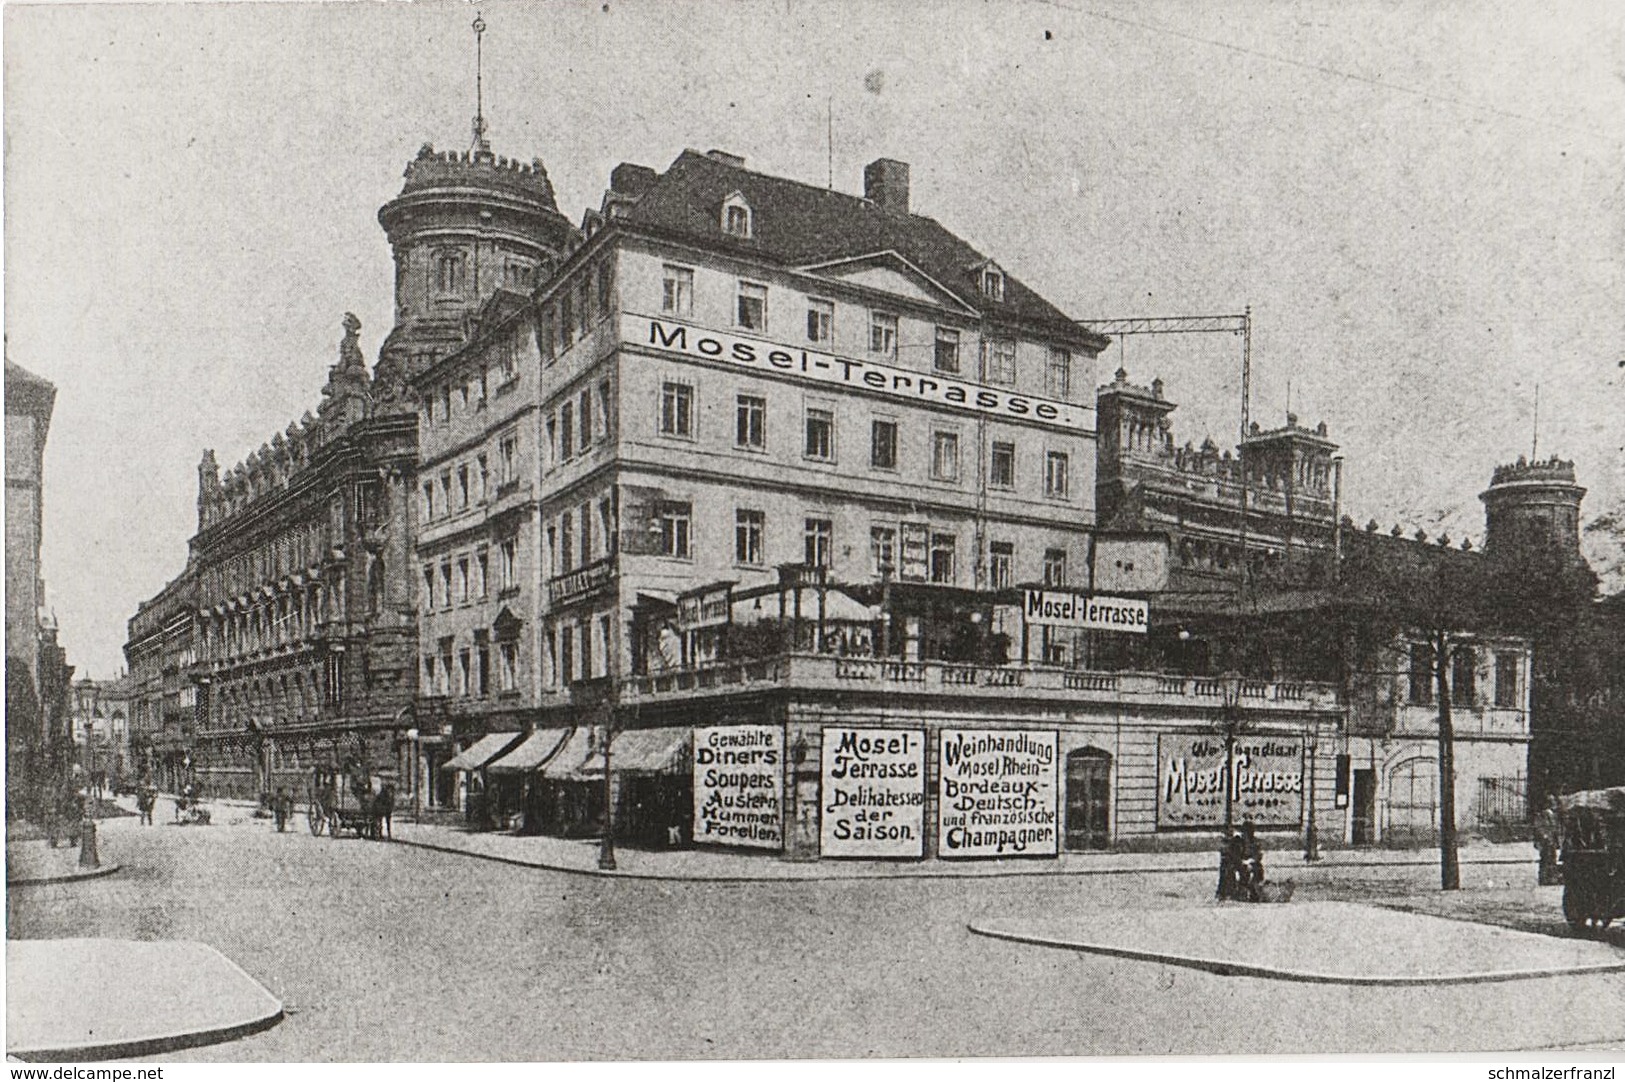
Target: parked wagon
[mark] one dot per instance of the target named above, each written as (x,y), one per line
(359,800)
(1593,856)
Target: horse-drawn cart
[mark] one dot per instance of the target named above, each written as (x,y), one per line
(359,801)
(1593,854)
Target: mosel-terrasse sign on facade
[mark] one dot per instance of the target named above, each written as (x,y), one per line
(996,791)
(1059,608)
(873,793)
(756,355)
(1266,779)
(739,786)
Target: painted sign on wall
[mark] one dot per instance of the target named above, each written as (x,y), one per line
(1268,780)
(739,786)
(873,797)
(996,793)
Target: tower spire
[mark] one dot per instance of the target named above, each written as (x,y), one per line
(481,144)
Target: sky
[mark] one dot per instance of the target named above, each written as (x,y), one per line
(1423,206)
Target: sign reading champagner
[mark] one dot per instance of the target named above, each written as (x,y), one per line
(1268,786)
(739,786)
(873,796)
(996,791)
(754,354)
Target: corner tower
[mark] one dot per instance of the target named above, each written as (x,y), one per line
(1532,514)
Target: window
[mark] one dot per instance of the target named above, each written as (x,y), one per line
(942,557)
(820,534)
(567,430)
(603,637)
(883,445)
(463,667)
(752,310)
(604,414)
(567,319)
(462,488)
(445,584)
(1055,474)
(606,526)
(675,522)
(462,393)
(507,364)
(482,469)
(1001,362)
(736,218)
(445,666)
(546,335)
(748,527)
(1001,469)
(586,651)
(556,454)
(518,275)
(428,500)
(462,580)
(428,587)
(678,296)
(1055,567)
(428,674)
(482,573)
(449,272)
(509,450)
(1058,375)
(1463,675)
(820,442)
(585,409)
(553,567)
(1421,674)
(606,286)
(883,547)
(993,283)
(583,304)
(567,652)
(677,410)
(510,564)
(567,542)
(1001,560)
(1506,679)
(445,403)
(820,320)
(482,653)
(945,456)
(508,656)
(946,358)
(445,491)
(883,334)
(750,422)
(585,517)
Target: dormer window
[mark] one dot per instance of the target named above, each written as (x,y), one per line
(736,216)
(992,283)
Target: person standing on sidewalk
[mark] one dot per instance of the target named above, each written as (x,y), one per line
(1548,841)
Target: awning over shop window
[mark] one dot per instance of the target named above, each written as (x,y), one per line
(484,749)
(649,751)
(579,760)
(532,752)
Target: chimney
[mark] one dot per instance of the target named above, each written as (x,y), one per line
(629,179)
(725,158)
(885,183)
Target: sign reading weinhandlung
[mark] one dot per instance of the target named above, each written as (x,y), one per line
(873,793)
(754,354)
(1191,779)
(996,791)
(739,786)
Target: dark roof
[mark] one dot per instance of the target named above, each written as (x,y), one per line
(27,393)
(800,225)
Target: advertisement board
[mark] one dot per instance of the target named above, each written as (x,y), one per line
(996,793)
(739,786)
(873,795)
(1191,777)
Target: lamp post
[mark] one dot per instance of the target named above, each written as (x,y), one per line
(1230,689)
(417,769)
(1311,840)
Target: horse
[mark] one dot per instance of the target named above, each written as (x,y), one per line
(382,808)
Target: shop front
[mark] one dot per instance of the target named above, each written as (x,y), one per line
(483,803)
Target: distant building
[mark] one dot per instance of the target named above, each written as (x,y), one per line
(100,721)
(161,652)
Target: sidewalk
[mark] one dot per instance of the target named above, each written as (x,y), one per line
(581,856)
(32,862)
(1316,943)
(96,999)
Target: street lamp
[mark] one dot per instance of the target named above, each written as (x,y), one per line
(1232,718)
(1311,839)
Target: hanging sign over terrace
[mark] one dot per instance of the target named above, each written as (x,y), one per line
(1060,608)
(754,354)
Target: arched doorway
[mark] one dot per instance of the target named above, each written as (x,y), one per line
(1413,803)
(1088,799)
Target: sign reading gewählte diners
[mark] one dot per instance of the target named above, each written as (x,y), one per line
(1060,608)
(996,792)
(1191,778)
(739,786)
(754,354)
(873,796)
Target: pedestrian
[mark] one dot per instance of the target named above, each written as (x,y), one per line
(1252,857)
(282,808)
(1231,858)
(1548,842)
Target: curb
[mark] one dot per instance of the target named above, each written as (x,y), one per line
(94,873)
(1242,969)
(670,877)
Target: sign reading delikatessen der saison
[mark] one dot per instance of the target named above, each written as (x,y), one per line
(1061,608)
(996,791)
(739,786)
(754,354)
(873,795)
(1268,787)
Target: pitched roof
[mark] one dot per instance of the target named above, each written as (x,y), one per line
(799,225)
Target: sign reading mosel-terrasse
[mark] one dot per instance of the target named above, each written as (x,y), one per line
(996,793)
(753,354)
(873,793)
